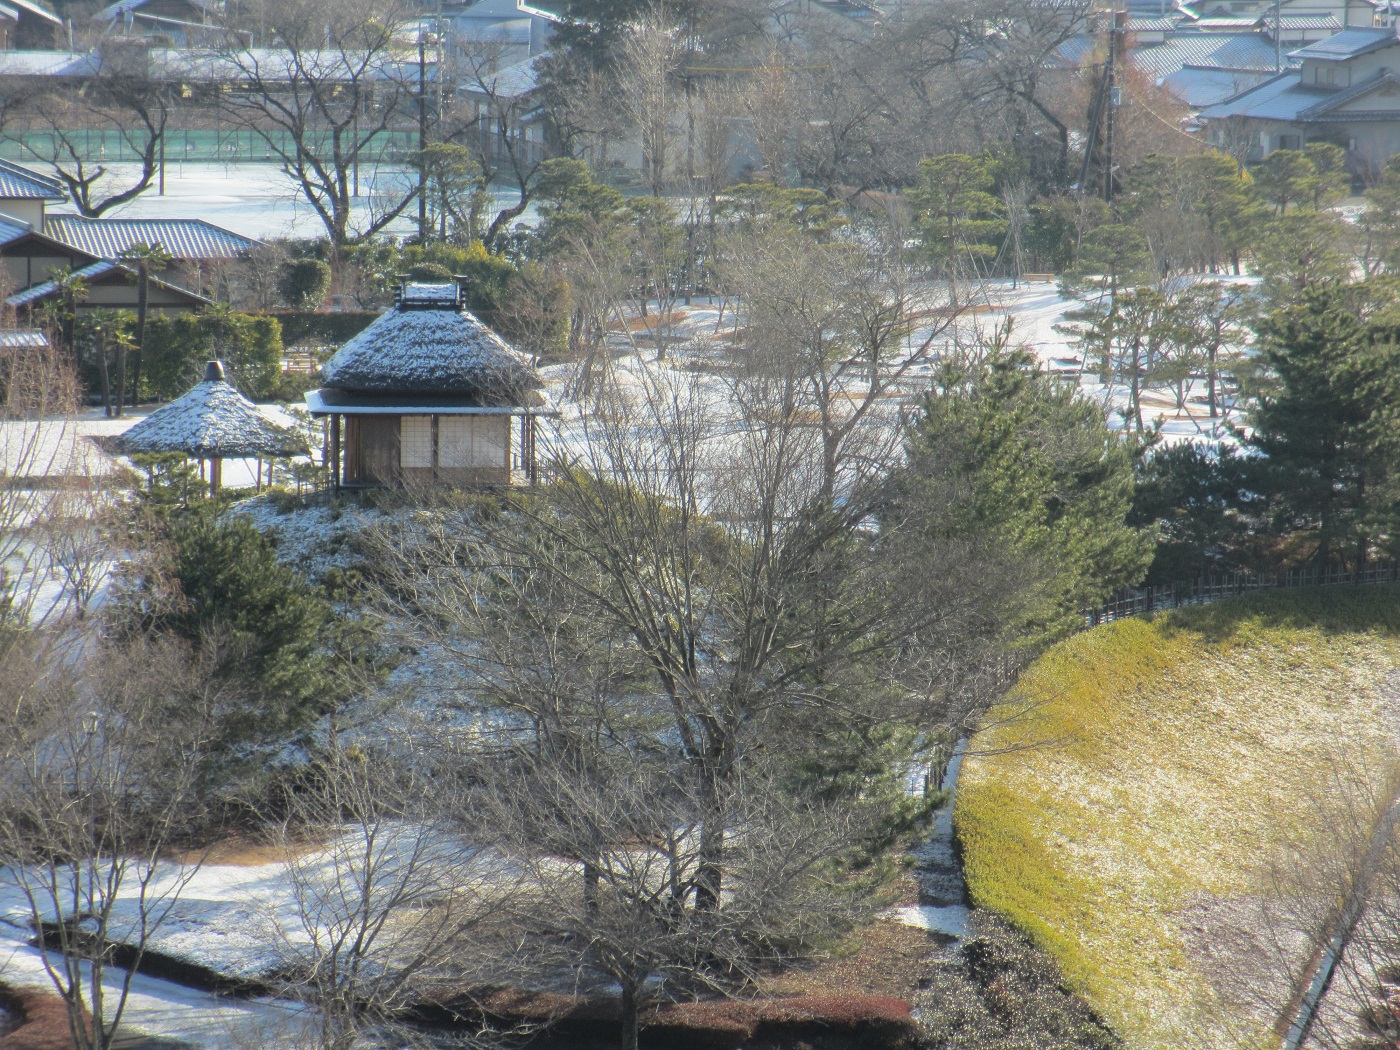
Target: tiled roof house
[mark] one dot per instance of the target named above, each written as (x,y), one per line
(1344,90)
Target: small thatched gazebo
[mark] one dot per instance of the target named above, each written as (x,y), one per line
(428,393)
(212,421)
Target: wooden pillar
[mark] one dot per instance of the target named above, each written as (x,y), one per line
(216,475)
(335,453)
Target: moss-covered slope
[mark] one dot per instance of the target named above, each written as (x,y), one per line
(1146,777)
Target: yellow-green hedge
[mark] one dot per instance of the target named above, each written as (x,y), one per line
(1148,766)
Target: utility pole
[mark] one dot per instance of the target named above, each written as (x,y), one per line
(1278,37)
(1113,98)
(422,137)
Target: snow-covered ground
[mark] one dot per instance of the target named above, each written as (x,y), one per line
(213,919)
(257,200)
(244,921)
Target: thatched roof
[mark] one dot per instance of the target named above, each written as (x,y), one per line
(211,421)
(430,344)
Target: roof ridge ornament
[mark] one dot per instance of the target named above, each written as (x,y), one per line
(431,295)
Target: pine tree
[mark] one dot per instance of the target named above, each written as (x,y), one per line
(1324,419)
(1028,463)
(961,217)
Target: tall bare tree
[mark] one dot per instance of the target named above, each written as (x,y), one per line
(39,445)
(650,56)
(124,101)
(100,758)
(334,78)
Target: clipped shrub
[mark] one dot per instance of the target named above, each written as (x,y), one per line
(1121,780)
(325,328)
(43,1020)
(303,283)
(178,346)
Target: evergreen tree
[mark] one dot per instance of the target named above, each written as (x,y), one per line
(1381,220)
(1225,204)
(1028,463)
(218,584)
(1284,177)
(961,218)
(1324,419)
(1331,179)
(1196,500)
(1296,252)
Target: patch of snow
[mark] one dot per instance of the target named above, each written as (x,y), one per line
(950,919)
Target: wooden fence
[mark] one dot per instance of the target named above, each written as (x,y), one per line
(1141,601)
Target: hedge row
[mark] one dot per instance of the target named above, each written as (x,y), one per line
(844,1021)
(323,328)
(43,1020)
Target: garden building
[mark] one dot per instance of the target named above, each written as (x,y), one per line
(212,422)
(429,394)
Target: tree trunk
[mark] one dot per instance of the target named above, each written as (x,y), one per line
(143,298)
(106,378)
(709,873)
(1210,380)
(629,1017)
(121,375)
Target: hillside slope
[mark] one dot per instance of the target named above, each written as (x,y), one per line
(1143,798)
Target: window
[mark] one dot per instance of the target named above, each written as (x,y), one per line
(455,441)
(491,437)
(462,441)
(416,441)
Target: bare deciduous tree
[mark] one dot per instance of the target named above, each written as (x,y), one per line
(122,101)
(338,77)
(100,760)
(39,443)
(650,56)
(383,904)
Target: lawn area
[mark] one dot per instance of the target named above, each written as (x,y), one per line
(1160,776)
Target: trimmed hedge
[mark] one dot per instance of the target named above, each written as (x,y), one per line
(43,1020)
(1150,769)
(329,328)
(837,1021)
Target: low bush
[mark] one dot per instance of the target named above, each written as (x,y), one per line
(1007,995)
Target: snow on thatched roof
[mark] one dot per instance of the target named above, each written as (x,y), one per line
(430,344)
(211,421)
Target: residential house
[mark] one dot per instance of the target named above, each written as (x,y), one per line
(28,25)
(429,394)
(507,121)
(110,286)
(34,244)
(184,22)
(1344,90)
(508,28)
(1346,13)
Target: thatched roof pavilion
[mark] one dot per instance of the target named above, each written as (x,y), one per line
(427,393)
(211,421)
